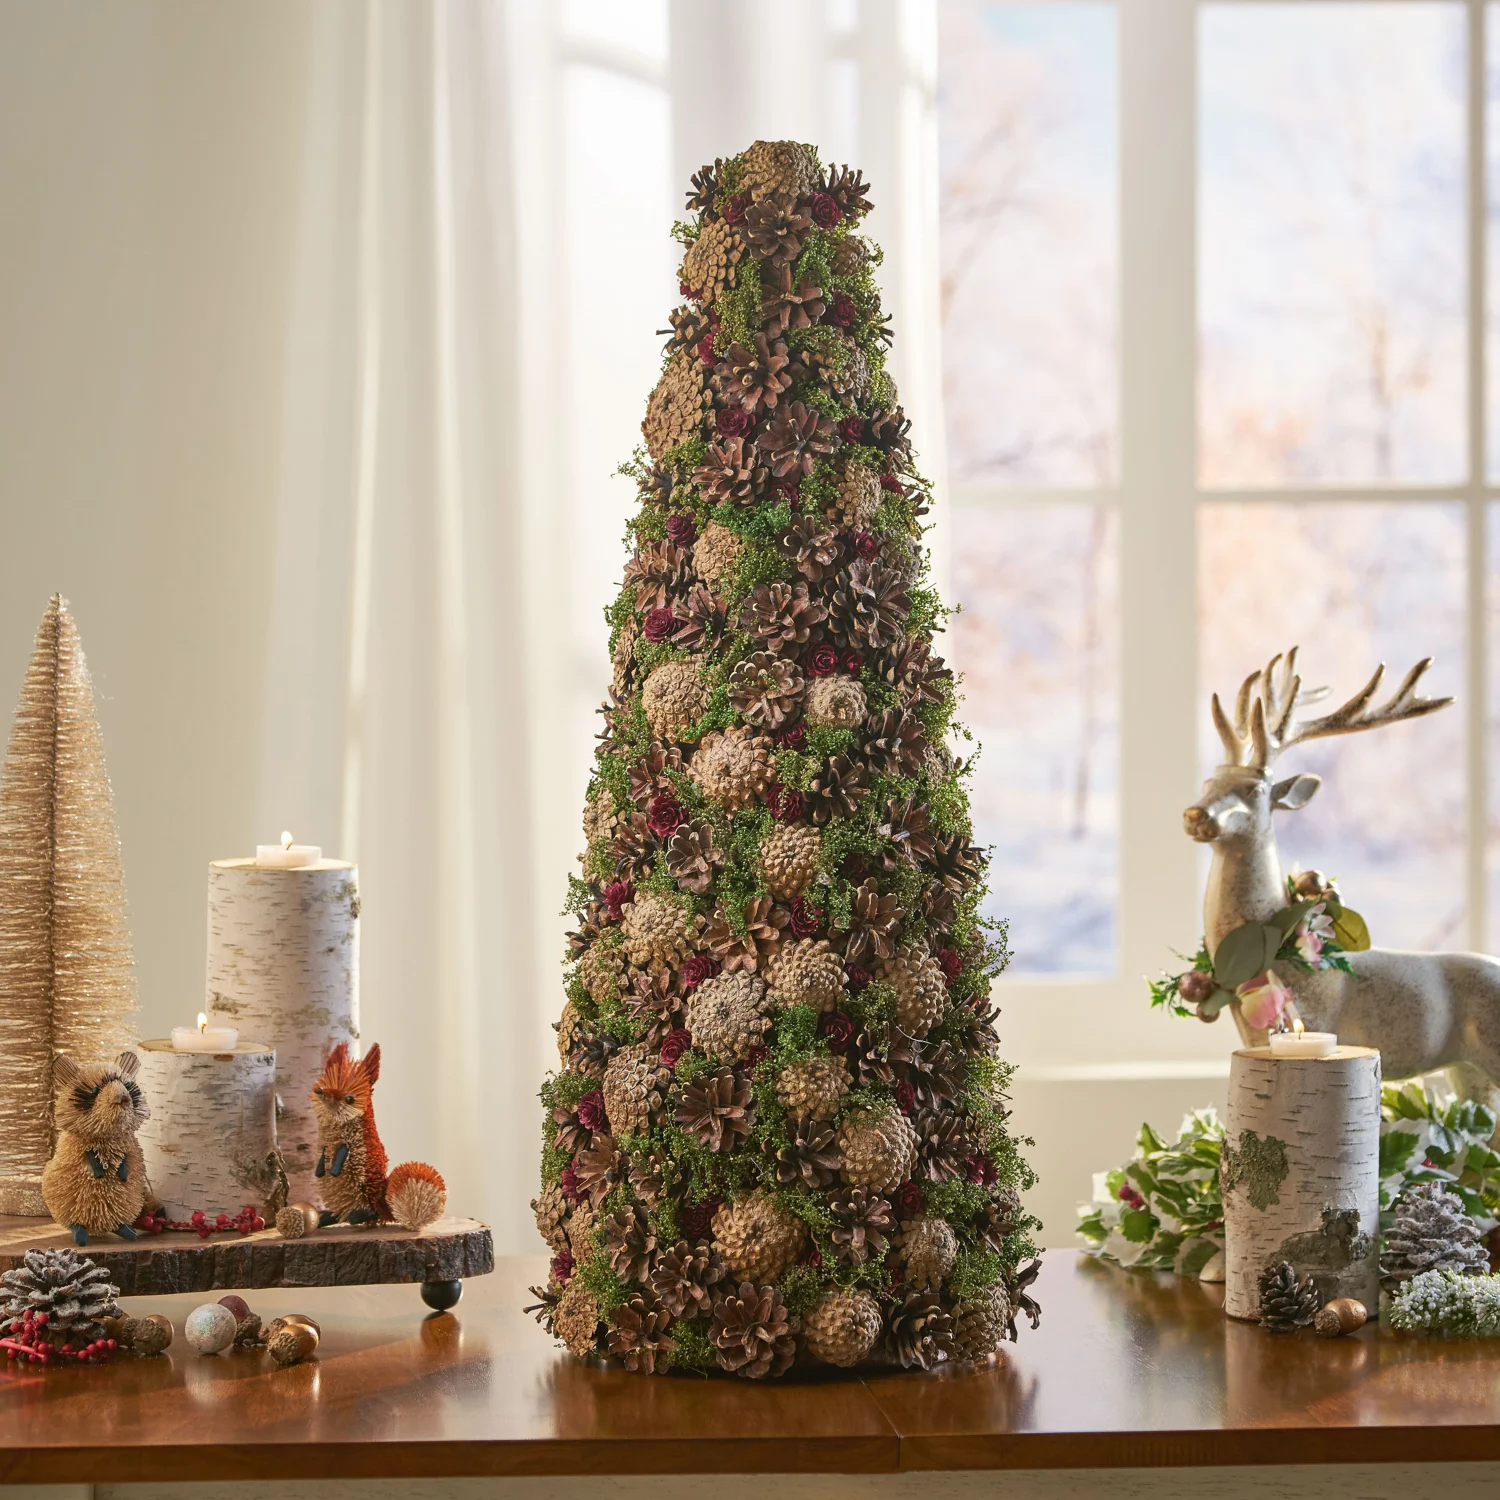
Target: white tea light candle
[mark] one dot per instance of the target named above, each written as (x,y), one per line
(205,1038)
(286,855)
(1300,1043)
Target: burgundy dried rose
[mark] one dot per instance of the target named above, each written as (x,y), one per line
(665,814)
(854,662)
(681,530)
(756,1055)
(706,350)
(979,1168)
(618,895)
(792,736)
(788,489)
(734,210)
(786,803)
(907,1200)
(825,210)
(567,1180)
(813,1257)
(696,1220)
(562,1266)
(864,544)
(590,1111)
(684,290)
(906,1096)
(674,1045)
(733,421)
(859,978)
(890,482)
(950,963)
(804,920)
(836,1029)
(851,429)
(698,968)
(844,312)
(821,660)
(660,623)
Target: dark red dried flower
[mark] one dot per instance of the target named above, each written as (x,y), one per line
(706,351)
(567,1180)
(906,1096)
(821,660)
(979,1168)
(684,290)
(698,968)
(843,313)
(890,482)
(837,1029)
(786,803)
(950,963)
(590,1111)
(858,977)
(617,896)
(562,1266)
(660,623)
(907,1200)
(788,489)
(852,429)
(865,545)
(674,1044)
(696,1220)
(854,662)
(664,814)
(813,1257)
(792,736)
(756,1055)
(734,211)
(804,920)
(825,210)
(681,530)
(733,421)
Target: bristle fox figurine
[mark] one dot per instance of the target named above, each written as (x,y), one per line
(95,1182)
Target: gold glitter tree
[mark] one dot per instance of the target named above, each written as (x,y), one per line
(67,981)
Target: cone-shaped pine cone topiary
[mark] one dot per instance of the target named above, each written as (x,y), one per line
(1287,1301)
(775,1126)
(63,1295)
(1432,1232)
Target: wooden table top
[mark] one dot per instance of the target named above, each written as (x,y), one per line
(1126,1370)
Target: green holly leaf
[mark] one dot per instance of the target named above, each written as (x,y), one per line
(1350,932)
(1245,952)
(1396,1150)
(1138,1225)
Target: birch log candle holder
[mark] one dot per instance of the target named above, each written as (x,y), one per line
(1301,1173)
(283,965)
(211,1140)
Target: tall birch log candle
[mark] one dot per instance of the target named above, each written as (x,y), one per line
(211,1140)
(283,966)
(1300,1173)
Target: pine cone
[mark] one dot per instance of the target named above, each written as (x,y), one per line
(757,1240)
(674,698)
(601,967)
(862,1226)
(635,1084)
(847,187)
(711,265)
(717,1110)
(835,703)
(693,858)
(850,257)
(859,496)
(755,375)
(1001,1215)
(956,862)
(979,1326)
(733,767)
(781,615)
(809,1159)
(812,1089)
(920,985)
(900,559)
(837,790)
(1432,1232)
(812,549)
(795,438)
(689,327)
(685,1278)
(575,1318)
(789,859)
(678,406)
(890,431)
(766,689)
(733,473)
(623,658)
(649,1174)
(926,1250)
(72,1291)
(770,167)
(879,1148)
(600,816)
(752,1332)
(920,1333)
(629,1242)
(658,931)
(807,972)
(775,228)
(843,1327)
(550,1207)
(598,1169)
(698,618)
(757,945)
(582,1223)
(896,745)
(657,572)
(727,1016)
(716,553)
(705,187)
(649,774)
(908,826)
(638,1334)
(789,306)
(1287,1302)
(918,675)
(872,923)
(867,607)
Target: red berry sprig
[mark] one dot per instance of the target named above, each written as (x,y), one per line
(246,1221)
(29,1341)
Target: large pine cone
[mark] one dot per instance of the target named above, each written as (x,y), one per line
(658,931)
(807,972)
(812,1089)
(733,766)
(920,985)
(73,1291)
(879,1148)
(835,703)
(755,375)
(789,859)
(601,966)
(757,945)
(1287,1302)
(575,1319)
(790,305)
(717,1110)
(685,1278)
(778,167)
(733,473)
(765,689)
(795,438)
(693,858)
(921,1332)
(843,1327)
(810,546)
(809,1160)
(926,1249)
(781,615)
(715,553)
(1432,1232)
(629,1241)
(674,698)
(837,790)
(752,1332)
(551,1209)
(862,1226)
(775,229)
(635,1084)
(658,572)
(638,1334)
(859,496)
(678,406)
(757,1240)
(727,1016)
(868,606)
(711,265)
(979,1326)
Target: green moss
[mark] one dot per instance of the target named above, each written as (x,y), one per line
(596,1274)
(693,1350)
(973,1272)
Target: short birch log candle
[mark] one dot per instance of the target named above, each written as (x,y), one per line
(1300,1173)
(283,966)
(211,1140)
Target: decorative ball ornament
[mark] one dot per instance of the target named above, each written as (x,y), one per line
(209,1329)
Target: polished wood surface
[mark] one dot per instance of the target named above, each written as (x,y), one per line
(158,1265)
(1125,1370)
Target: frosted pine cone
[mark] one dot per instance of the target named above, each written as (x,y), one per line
(674,698)
(843,1328)
(757,1240)
(602,970)
(851,256)
(789,859)
(677,406)
(807,972)
(658,932)
(835,703)
(812,1089)
(979,1326)
(733,767)
(711,265)
(635,1085)
(920,985)
(927,1249)
(73,1293)
(551,1209)
(879,1148)
(727,1015)
(779,167)
(859,496)
(575,1319)
(715,553)
(1432,1232)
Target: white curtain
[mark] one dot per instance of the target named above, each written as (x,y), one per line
(314,374)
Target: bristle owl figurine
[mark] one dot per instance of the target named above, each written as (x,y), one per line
(96,1180)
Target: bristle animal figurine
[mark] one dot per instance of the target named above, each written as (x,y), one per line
(96,1180)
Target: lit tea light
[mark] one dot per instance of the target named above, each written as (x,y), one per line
(286,855)
(1301,1043)
(205,1038)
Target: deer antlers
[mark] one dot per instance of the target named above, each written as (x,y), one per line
(1265,711)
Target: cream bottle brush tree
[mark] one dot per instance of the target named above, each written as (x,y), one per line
(67,980)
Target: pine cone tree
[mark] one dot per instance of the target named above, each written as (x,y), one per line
(757,1240)
(778,167)
(879,1148)
(843,1327)
(733,767)
(678,405)
(1287,1302)
(755,376)
(674,698)
(766,689)
(638,1334)
(717,1110)
(716,553)
(920,1332)
(685,1278)
(835,703)
(807,972)
(693,858)
(658,931)
(728,1016)
(752,1332)
(795,438)
(979,1325)
(926,1249)
(809,1159)
(1432,1232)
(635,1084)
(789,859)
(69,1291)
(862,1226)
(711,265)
(920,985)
(812,1089)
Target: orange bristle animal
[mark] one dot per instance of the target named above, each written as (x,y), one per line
(351,1160)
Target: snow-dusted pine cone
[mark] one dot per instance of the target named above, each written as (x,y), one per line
(843,1327)
(73,1291)
(807,972)
(757,1240)
(733,767)
(779,167)
(879,1148)
(658,931)
(715,553)
(789,859)
(727,1015)
(834,703)
(674,698)
(635,1085)
(677,406)
(551,1209)
(576,1317)
(812,1089)
(711,265)
(859,496)
(601,967)
(979,1326)
(926,1249)
(920,985)
(1432,1232)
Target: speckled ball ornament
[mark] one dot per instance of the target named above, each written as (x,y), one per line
(209,1329)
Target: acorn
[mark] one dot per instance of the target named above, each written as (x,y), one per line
(149,1335)
(296,1220)
(1309,885)
(293,1342)
(1342,1315)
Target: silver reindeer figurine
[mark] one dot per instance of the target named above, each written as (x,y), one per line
(1424,1011)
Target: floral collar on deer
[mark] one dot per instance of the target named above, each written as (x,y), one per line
(1313,931)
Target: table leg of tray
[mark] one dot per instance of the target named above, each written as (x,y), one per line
(441,1295)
